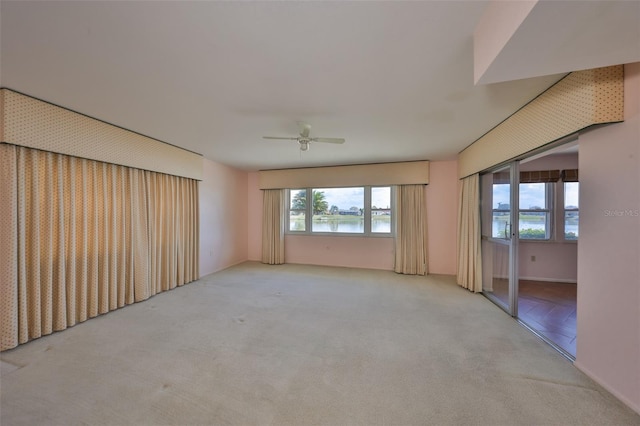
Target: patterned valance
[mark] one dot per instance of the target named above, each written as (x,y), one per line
(32,123)
(578,101)
(537,176)
(540,176)
(570,175)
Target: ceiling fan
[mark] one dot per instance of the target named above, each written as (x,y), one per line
(304,140)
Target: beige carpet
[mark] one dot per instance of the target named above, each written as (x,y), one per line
(302,345)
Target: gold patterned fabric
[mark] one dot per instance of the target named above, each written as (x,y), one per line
(273,214)
(581,99)
(411,230)
(33,123)
(88,237)
(469,273)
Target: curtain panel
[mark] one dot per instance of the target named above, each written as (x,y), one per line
(469,274)
(411,230)
(88,237)
(273,221)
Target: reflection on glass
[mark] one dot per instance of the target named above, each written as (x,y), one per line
(381,209)
(534,215)
(500,227)
(296,221)
(571,210)
(338,210)
(297,209)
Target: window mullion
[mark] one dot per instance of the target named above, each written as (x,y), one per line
(551,211)
(367,210)
(309,210)
(287,218)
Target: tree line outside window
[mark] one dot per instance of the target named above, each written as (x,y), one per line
(361,210)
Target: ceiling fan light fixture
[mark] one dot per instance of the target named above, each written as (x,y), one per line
(304,140)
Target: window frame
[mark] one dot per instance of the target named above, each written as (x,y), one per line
(548,211)
(303,211)
(564,213)
(367,215)
(502,211)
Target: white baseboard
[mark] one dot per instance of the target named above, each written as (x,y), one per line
(631,404)
(553,280)
(550,280)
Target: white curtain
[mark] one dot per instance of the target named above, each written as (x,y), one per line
(469,254)
(86,238)
(273,221)
(411,230)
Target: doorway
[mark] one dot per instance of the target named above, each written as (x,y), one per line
(529,226)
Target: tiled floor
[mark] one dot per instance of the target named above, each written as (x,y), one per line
(547,307)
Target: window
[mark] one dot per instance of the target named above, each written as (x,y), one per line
(571,210)
(297,209)
(381,210)
(338,210)
(534,214)
(360,210)
(547,202)
(535,211)
(501,210)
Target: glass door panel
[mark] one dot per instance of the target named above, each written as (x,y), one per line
(499,242)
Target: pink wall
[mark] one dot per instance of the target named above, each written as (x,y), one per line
(608,342)
(223,217)
(442,211)
(556,260)
(373,253)
(354,252)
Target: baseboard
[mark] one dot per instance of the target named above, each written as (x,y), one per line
(551,280)
(221,268)
(634,406)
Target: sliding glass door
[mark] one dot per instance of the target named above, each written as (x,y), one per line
(499,215)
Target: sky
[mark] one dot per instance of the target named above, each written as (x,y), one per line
(532,195)
(345,198)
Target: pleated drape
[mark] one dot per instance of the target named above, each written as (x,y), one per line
(469,274)
(411,230)
(273,221)
(9,242)
(86,239)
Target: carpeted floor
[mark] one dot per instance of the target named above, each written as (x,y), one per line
(302,345)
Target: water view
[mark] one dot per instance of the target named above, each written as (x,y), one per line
(534,228)
(341,224)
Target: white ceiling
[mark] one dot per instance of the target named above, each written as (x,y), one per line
(393,78)
(563,35)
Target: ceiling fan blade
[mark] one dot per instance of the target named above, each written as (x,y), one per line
(280,138)
(305,129)
(328,140)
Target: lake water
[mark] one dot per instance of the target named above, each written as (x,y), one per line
(348,226)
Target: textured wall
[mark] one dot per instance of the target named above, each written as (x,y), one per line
(411,172)
(36,124)
(580,100)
